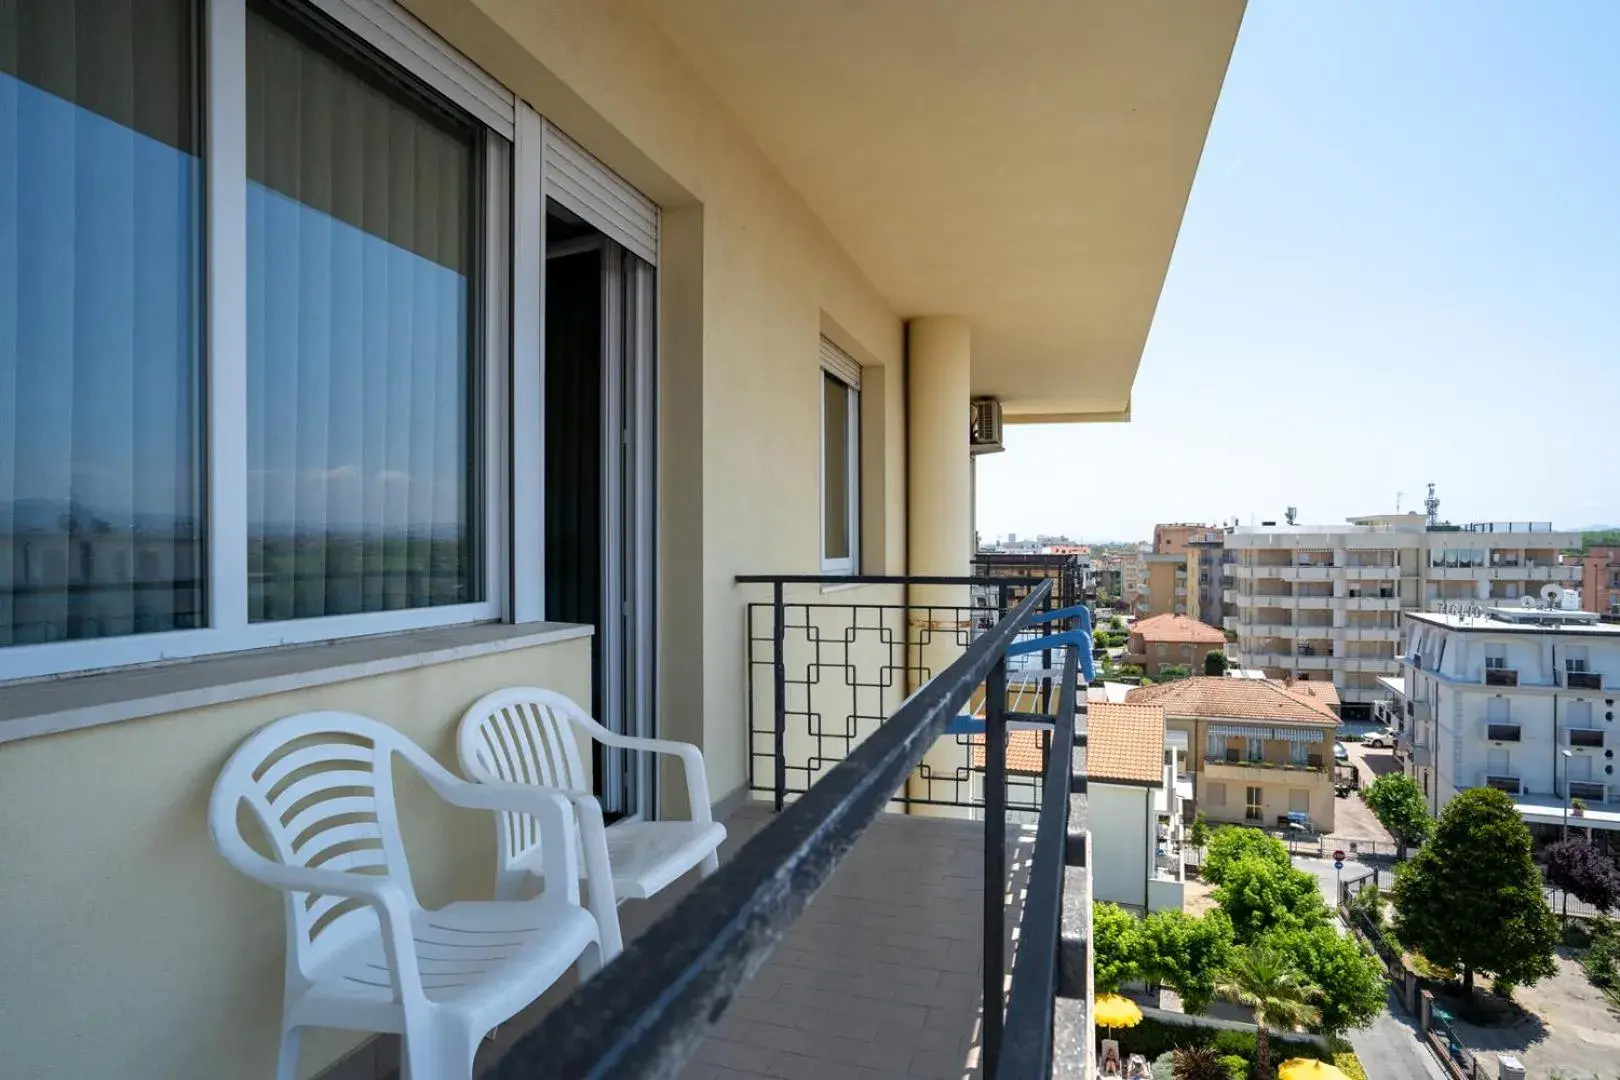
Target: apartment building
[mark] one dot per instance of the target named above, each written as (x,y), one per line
(1517,698)
(1131,783)
(1207,555)
(1600,581)
(1180,571)
(1258,751)
(1162,641)
(371,359)
(1324,602)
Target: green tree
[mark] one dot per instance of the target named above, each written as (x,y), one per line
(1472,900)
(1259,897)
(1185,952)
(1233,842)
(1352,982)
(1280,995)
(1198,834)
(1397,801)
(1116,937)
(1215,663)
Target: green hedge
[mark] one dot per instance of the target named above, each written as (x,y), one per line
(1153,1037)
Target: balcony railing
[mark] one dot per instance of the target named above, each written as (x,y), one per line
(1502,732)
(1509,784)
(1585,738)
(1501,677)
(1583,680)
(643,1014)
(1314,764)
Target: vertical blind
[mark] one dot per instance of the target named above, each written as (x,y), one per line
(361,243)
(100,464)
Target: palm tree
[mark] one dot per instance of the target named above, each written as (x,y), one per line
(1262,978)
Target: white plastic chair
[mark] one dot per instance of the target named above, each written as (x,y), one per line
(523,735)
(362,954)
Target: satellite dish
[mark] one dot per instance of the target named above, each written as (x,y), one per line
(1550,594)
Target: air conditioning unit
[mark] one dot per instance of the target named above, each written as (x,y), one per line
(984,430)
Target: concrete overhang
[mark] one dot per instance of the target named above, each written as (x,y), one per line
(1023,164)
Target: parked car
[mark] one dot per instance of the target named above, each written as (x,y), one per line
(1380,740)
(1340,753)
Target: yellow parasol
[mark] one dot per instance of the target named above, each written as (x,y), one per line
(1112,1011)
(1309,1069)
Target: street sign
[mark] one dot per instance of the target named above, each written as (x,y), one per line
(1338,864)
(1338,855)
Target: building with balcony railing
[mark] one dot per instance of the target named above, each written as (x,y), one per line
(1518,698)
(1324,601)
(367,357)
(1258,750)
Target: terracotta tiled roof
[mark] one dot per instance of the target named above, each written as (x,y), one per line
(1309,690)
(1233,699)
(1026,753)
(1125,742)
(1180,629)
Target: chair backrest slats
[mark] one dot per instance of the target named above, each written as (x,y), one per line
(523,735)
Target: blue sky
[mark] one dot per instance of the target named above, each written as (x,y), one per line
(1400,264)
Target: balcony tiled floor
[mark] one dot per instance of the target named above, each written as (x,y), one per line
(879,977)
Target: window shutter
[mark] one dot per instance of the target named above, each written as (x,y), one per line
(596,193)
(841,364)
(398,35)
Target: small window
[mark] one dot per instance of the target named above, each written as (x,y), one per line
(1575,658)
(840,466)
(1495,657)
(1254,805)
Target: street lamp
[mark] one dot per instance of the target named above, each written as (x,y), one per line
(1566,754)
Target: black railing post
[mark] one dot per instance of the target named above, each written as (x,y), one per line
(779,675)
(995,856)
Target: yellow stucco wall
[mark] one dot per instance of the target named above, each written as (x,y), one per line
(129,947)
(749,280)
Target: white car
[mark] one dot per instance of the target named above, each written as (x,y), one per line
(1380,740)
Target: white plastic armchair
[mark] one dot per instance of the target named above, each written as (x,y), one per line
(362,954)
(525,735)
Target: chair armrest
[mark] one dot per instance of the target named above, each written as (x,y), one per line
(553,809)
(697,777)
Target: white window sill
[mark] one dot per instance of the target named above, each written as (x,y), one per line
(71,702)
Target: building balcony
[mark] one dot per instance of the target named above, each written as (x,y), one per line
(1585,738)
(1261,772)
(1502,733)
(1372,573)
(1228,596)
(1583,680)
(1501,677)
(1366,603)
(1366,633)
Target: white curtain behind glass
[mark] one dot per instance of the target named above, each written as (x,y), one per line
(100,470)
(360,244)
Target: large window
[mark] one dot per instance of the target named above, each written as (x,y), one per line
(101,522)
(840,461)
(255,261)
(361,226)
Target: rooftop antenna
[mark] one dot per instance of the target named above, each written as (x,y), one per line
(1292,514)
(1399,495)
(1432,505)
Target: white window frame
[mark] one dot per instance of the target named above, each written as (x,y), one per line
(509,236)
(850,565)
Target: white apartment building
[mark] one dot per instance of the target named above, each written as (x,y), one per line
(1325,601)
(1521,699)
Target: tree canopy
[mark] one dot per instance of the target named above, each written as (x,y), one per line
(1472,898)
(1397,801)
(1259,897)
(1233,842)
(1352,982)
(1116,946)
(1186,952)
(1577,868)
(1262,978)
(1215,663)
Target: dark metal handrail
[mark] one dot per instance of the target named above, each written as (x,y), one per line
(1026,1050)
(645,1012)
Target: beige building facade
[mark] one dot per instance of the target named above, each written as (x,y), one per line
(1324,602)
(796,285)
(1257,752)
